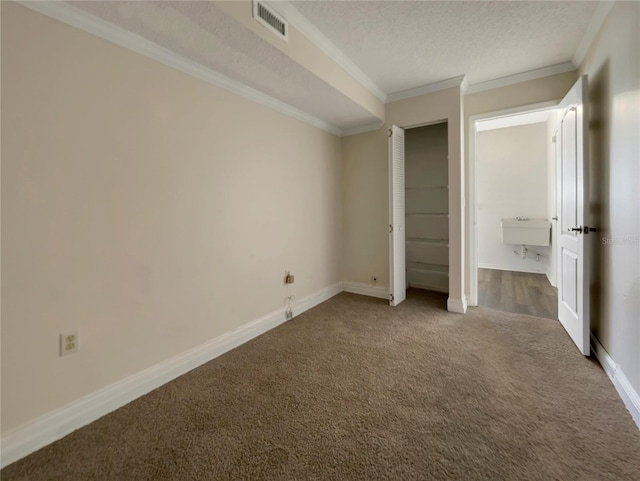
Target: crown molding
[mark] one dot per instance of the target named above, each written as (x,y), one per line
(89,23)
(364,128)
(464,85)
(521,77)
(599,16)
(301,23)
(427,89)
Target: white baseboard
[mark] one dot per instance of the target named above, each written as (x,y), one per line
(381,292)
(312,300)
(457,305)
(510,268)
(623,386)
(550,281)
(52,426)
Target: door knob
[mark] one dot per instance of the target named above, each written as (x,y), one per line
(579,230)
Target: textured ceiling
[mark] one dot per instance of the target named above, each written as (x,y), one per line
(201,32)
(403,45)
(400,45)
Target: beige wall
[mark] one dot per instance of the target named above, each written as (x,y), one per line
(613,67)
(365,194)
(149,210)
(365,177)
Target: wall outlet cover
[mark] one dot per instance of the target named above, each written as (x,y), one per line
(69,343)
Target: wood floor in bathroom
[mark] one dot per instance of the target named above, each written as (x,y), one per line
(519,292)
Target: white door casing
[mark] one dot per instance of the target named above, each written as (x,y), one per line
(397,273)
(573,222)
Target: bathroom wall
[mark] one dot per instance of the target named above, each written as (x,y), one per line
(511,182)
(427,207)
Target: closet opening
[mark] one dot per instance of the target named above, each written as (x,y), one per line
(427,208)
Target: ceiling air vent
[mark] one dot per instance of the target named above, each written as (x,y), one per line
(270,19)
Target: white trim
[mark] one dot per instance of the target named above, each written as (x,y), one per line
(304,26)
(82,20)
(599,16)
(312,300)
(365,128)
(626,391)
(539,117)
(457,305)
(512,269)
(381,292)
(521,77)
(462,82)
(472,227)
(57,424)
(549,279)
(464,86)
(459,81)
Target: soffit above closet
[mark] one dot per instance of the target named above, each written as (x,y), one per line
(203,33)
(387,46)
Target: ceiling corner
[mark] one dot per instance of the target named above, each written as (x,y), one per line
(599,16)
(464,85)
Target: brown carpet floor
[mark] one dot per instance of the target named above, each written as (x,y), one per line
(357,390)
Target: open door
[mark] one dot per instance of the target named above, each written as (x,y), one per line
(573,182)
(397,274)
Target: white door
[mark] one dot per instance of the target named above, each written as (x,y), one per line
(573,170)
(397,274)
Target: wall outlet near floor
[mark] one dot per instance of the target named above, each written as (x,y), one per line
(68,343)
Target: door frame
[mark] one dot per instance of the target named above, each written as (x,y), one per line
(390,207)
(472,224)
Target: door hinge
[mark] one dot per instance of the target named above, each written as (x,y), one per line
(390,228)
(390,132)
(390,297)
(554,139)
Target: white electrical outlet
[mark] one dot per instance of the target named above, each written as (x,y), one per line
(68,343)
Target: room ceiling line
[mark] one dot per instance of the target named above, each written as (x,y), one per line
(106,30)
(113,33)
(309,30)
